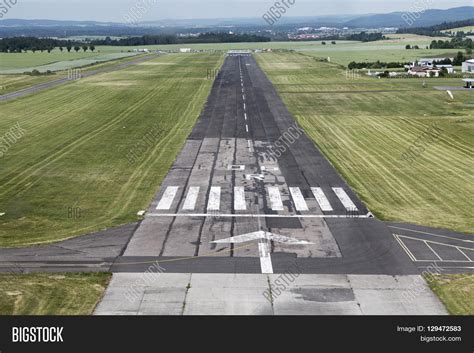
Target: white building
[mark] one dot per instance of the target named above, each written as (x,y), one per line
(468,66)
(185,50)
(449,68)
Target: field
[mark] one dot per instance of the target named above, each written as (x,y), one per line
(73,154)
(456,292)
(51,294)
(364,126)
(461,29)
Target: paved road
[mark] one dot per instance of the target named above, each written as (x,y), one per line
(50,84)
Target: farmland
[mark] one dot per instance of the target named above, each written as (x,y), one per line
(77,136)
(364,125)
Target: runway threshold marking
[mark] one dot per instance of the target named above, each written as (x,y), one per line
(168,198)
(345,199)
(238,215)
(191,198)
(239,199)
(214,203)
(322,200)
(276,202)
(298,199)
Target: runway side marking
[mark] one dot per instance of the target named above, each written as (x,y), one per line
(236,215)
(245,115)
(239,199)
(168,198)
(298,199)
(214,203)
(437,243)
(245,106)
(276,202)
(436,235)
(246,128)
(322,200)
(414,259)
(404,247)
(191,198)
(345,199)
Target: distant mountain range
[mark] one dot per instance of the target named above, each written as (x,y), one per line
(15,27)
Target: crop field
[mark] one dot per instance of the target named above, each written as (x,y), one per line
(51,294)
(365,125)
(69,173)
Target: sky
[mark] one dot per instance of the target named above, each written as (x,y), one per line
(117,10)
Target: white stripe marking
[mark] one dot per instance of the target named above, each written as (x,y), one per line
(265,258)
(229,215)
(239,199)
(247,128)
(345,199)
(298,199)
(245,115)
(191,198)
(275,198)
(214,199)
(245,106)
(168,198)
(322,200)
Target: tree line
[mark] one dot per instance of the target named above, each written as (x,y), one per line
(436,31)
(24,44)
(173,39)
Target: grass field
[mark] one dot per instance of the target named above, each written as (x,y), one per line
(365,125)
(51,294)
(456,292)
(77,136)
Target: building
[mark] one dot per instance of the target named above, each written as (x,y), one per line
(424,71)
(449,68)
(468,66)
(185,50)
(430,62)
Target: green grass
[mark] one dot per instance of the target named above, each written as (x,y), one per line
(365,133)
(51,294)
(455,291)
(461,29)
(77,137)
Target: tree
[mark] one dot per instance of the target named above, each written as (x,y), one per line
(69,47)
(323,43)
(85,47)
(61,48)
(333,42)
(408,46)
(92,48)
(77,48)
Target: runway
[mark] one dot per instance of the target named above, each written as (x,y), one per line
(248,167)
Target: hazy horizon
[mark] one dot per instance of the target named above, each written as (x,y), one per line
(116,11)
